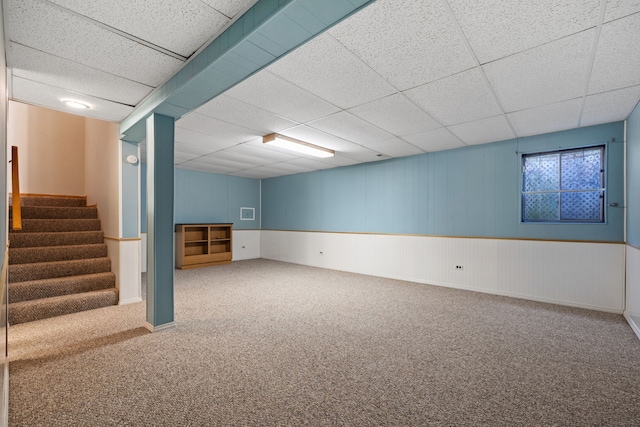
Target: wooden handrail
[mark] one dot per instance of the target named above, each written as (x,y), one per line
(15,191)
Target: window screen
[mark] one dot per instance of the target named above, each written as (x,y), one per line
(563,186)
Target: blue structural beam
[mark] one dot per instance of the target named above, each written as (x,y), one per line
(268,30)
(160,147)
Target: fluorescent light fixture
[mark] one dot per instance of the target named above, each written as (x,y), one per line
(296,145)
(75,104)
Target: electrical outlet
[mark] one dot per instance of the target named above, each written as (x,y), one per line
(458,267)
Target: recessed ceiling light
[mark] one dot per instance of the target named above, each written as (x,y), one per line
(75,104)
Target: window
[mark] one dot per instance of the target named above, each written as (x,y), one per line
(563,186)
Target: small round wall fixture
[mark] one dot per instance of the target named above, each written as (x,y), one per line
(76,104)
(132,160)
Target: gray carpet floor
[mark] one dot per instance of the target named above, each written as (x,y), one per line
(264,343)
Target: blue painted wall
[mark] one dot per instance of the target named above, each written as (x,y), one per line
(633,178)
(202,197)
(130,191)
(471,191)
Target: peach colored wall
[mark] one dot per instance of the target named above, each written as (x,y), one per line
(102,172)
(51,149)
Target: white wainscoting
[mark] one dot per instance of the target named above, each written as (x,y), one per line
(246,244)
(632,309)
(143,252)
(588,275)
(125,263)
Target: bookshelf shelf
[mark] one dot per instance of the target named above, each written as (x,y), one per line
(202,245)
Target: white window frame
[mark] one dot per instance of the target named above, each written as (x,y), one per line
(559,191)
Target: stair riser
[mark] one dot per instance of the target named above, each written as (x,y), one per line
(56,253)
(51,201)
(39,271)
(27,291)
(46,212)
(30,311)
(56,225)
(29,240)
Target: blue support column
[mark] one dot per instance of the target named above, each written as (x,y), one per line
(160,226)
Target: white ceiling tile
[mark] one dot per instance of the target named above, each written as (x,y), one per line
(216,128)
(617,62)
(180,157)
(497,28)
(199,150)
(435,140)
(211,143)
(248,116)
(311,164)
(217,160)
(619,8)
(325,68)
(272,93)
(278,169)
(292,166)
(230,8)
(609,107)
(254,173)
(262,172)
(342,160)
(491,129)
(247,160)
(543,75)
(395,148)
(180,27)
(351,128)
(68,36)
(463,97)
(405,41)
(396,114)
(547,118)
(206,167)
(49,96)
(39,66)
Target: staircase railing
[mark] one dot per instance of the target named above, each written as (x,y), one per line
(15,190)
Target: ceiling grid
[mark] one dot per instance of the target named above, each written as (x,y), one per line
(396,78)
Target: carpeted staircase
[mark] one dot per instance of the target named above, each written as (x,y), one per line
(58,262)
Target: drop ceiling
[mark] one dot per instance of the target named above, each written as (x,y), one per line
(396,79)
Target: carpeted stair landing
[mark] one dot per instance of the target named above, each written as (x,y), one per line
(58,262)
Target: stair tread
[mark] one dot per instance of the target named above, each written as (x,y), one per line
(57,212)
(62,297)
(51,201)
(44,225)
(34,254)
(62,262)
(43,288)
(62,279)
(52,269)
(58,232)
(28,311)
(49,238)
